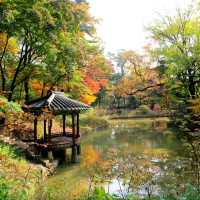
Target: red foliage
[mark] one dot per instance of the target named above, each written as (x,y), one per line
(95,74)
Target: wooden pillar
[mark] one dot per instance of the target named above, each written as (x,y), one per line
(35,128)
(49,129)
(77,126)
(64,119)
(45,130)
(79,149)
(74,148)
(73,131)
(78,134)
(74,154)
(50,156)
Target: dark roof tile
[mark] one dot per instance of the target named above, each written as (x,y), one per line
(56,102)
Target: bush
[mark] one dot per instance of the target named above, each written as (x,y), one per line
(144,110)
(6,106)
(98,194)
(93,119)
(17,177)
(191,193)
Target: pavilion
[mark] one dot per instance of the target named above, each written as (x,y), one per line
(56,103)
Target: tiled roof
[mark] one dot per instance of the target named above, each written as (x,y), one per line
(55,102)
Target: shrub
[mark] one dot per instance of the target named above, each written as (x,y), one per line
(144,110)
(93,119)
(17,177)
(6,106)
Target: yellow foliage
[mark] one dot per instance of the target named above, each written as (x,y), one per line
(88,97)
(79,189)
(195,105)
(136,80)
(157,153)
(83,8)
(90,157)
(11,46)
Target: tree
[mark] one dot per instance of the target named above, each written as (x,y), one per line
(178,43)
(49,49)
(139,79)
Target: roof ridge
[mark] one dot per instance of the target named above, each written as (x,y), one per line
(50,99)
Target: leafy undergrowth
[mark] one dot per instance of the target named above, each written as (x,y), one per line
(93,119)
(143,110)
(99,194)
(18,178)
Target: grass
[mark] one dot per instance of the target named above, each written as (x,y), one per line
(93,119)
(18,178)
(143,110)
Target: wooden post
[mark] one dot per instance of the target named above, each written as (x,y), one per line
(74,154)
(78,134)
(45,130)
(64,119)
(35,129)
(49,129)
(77,126)
(50,156)
(73,131)
(74,149)
(79,149)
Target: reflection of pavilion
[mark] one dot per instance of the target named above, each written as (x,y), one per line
(56,103)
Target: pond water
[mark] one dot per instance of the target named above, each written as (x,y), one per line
(144,156)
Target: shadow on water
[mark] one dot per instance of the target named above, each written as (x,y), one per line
(142,156)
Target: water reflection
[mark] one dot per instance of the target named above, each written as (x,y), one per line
(140,156)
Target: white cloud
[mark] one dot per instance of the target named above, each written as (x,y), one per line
(123,21)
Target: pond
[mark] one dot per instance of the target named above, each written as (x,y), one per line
(143,156)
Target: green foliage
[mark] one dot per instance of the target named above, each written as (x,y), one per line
(178,39)
(6,106)
(6,150)
(17,178)
(144,110)
(51,47)
(191,193)
(93,119)
(99,194)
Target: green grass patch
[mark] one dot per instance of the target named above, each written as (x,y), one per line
(18,178)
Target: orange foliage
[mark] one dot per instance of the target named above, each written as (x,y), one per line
(95,76)
(93,85)
(90,157)
(37,87)
(88,98)
(11,46)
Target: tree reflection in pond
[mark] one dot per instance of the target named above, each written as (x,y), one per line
(132,156)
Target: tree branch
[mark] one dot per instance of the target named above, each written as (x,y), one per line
(145,88)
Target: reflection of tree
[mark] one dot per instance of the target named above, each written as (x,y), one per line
(133,172)
(137,164)
(194,159)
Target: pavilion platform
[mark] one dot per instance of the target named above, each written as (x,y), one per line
(46,108)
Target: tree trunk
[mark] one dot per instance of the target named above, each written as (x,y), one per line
(22,60)
(26,89)
(1,66)
(192,88)
(12,87)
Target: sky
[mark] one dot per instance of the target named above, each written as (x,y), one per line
(122,22)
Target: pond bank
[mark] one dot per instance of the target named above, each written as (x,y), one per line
(141,116)
(18,177)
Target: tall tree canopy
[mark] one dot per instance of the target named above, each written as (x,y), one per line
(48,44)
(177,40)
